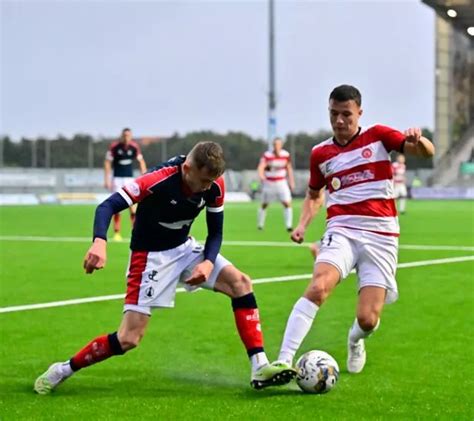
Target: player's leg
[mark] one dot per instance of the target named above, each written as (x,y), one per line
(262,215)
(99,349)
(402,201)
(369,308)
(314,249)
(288,215)
(334,262)
(238,287)
(376,267)
(325,278)
(284,194)
(117,184)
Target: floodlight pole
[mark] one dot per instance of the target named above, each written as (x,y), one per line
(271,72)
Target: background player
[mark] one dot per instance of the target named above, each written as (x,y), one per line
(120,157)
(399,182)
(162,254)
(362,225)
(276,176)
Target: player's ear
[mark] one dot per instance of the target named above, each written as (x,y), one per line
(361,111)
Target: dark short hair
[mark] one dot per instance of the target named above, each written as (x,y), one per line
(126,129)
(209,155)
(344,93)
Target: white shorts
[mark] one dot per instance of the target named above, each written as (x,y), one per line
(153,276)
(400,190)
(119,182)
(374,256)
(273,191)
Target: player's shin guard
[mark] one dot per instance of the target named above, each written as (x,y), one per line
(298,325)
(117,222)
(247,320)
(97,350)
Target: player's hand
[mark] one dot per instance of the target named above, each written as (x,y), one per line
(200,273)
(413,135)
(298,235)
(96,256)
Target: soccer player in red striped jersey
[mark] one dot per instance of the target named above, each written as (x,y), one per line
(163,254)
(276,175)
(362,225)
(400,183)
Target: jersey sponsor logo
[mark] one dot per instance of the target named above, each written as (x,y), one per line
(367,153)
(356,177)
(124,161)
(133,188)
(176,225)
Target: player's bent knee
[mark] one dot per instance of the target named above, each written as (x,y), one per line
(368,321)
(242,285)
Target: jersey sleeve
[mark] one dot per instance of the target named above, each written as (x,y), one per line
(217,202)
(316,177)
(138,152)
(392,139)
(141,187)
(109,155)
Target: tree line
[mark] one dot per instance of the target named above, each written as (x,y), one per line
(84,151)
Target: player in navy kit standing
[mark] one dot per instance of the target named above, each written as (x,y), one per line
(170,197)
(120,157)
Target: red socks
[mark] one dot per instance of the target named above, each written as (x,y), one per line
(247,320)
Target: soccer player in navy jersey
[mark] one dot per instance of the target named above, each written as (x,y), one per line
(163,254)
(119,158)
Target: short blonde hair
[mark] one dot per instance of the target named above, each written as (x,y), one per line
(209,155)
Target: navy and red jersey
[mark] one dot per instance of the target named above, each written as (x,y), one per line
(166,208)
(122,155)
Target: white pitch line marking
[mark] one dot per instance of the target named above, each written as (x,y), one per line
(255,281)
(227,243)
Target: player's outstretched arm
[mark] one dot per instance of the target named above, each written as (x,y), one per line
(95,257)
(418,145)
(291,176)
(311,204)
(107,174)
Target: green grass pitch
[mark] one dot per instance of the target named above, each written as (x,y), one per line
(191,364)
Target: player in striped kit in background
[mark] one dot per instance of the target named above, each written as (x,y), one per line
(399,182)
(276,175)
(362,225)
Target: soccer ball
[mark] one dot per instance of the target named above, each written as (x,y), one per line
(317,372)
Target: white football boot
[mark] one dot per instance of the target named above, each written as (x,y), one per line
(51,378)
(356,356)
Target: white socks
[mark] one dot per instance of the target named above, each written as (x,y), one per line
(356,332)
(258,360)
(402,205)
(261,215)
(288,216)
(298,325)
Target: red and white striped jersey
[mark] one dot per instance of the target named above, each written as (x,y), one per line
(358,180)
(276,166)
(399,171)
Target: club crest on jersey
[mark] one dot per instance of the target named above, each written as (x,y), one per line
(336,183)
(367,153)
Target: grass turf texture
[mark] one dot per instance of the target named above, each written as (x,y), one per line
(191,363)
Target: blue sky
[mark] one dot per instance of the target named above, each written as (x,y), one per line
(176,66)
